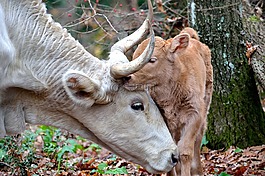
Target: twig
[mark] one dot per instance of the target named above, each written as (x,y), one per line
(221,7)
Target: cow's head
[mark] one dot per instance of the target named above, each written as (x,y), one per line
(57,82)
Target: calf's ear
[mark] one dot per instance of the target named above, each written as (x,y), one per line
(81,88)
(179,43)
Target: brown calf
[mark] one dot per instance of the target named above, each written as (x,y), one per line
(181,76)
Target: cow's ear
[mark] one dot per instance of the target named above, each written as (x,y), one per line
(81,88)
(179,43)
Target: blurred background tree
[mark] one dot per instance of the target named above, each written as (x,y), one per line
(98,24)
(236,116)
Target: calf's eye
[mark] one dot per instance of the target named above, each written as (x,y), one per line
(137,106)
(153,60)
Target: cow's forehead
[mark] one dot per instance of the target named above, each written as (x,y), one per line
(147,91)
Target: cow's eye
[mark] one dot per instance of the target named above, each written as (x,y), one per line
(137,106)
(153,60)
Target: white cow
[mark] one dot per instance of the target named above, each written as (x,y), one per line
(48,78)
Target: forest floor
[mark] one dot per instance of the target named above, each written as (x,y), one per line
(49,151)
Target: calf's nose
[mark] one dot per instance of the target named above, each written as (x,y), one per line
(175,159)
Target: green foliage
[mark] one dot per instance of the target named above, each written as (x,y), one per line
(238,150)
(141,2)
(254,18)
(70,146)
(51,137)
(4,149)
(204,140)
(103,169)
(95,147)
(22,153)
(224,174)
(113,158)
(121,170)
(54,3)
(18,154)
(2,154)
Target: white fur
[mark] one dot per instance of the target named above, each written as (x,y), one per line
(7,50)
(82,78)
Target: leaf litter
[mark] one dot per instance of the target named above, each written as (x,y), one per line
(83,158)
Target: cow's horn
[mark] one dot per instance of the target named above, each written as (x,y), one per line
(120,70)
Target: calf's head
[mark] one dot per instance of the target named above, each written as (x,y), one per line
(163,65)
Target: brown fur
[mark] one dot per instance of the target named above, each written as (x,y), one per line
(193,34)
(181,80)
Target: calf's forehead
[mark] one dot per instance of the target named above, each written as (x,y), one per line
(159,43)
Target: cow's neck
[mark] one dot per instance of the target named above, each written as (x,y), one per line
(44,50)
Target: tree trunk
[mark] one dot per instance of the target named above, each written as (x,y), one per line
(236,116)
(255,31)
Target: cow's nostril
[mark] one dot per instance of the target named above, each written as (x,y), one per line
(127,78)
(174,158)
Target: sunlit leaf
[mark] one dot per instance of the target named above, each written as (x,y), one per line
(238,150)
(224,174)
